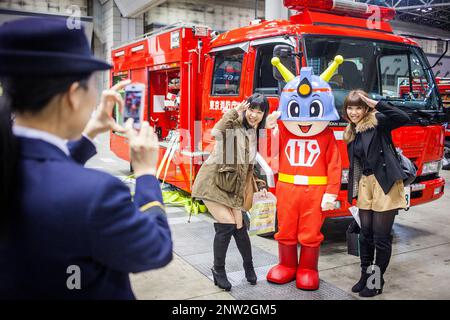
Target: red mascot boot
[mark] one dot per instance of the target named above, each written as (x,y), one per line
(307,273)
(284,272)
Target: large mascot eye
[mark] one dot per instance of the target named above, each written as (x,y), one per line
(293,109)
(316,109)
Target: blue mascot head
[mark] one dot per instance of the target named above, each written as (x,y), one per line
(307,102)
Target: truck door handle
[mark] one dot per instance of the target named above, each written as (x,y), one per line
(209,118)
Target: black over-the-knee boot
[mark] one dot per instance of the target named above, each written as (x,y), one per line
(224,231)
(366,254)
(245,248)
(383,247)
(382,237)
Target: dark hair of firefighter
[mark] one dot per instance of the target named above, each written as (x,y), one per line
(23,94)
(259,102)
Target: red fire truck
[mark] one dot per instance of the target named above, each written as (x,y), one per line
(418,90)
(193,76)
(444,90)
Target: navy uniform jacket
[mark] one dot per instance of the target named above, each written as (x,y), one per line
(68,215)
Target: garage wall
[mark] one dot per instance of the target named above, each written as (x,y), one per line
(219,15)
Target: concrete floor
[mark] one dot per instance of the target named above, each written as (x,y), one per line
(419,268)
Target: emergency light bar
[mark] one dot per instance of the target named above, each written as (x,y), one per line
(342,7)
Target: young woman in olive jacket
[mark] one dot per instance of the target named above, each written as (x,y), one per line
(222,180)
(375,179)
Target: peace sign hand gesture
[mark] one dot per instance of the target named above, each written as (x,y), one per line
(271,120)
(242,106)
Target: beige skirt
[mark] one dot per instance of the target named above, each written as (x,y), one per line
(372,197)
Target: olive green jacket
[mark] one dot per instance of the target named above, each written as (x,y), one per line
(222,177)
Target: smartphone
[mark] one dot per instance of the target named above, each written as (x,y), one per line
(134,100)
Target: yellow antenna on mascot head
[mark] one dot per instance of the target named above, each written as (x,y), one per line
(328,73)
(287,75)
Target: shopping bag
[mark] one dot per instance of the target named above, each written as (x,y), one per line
(262,214)
(353,231)
(355,213)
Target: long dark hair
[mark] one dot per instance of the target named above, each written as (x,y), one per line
(19,94)
(259,102)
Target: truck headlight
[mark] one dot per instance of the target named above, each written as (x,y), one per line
(431,167)
(344,178)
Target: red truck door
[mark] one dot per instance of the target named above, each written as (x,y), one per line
(223,87)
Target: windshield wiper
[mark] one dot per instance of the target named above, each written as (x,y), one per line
(429,116)
(411,96)
(425,114)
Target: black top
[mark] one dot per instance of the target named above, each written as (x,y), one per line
(361,155)
(377,145)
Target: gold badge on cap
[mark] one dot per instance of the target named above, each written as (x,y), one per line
(304,88)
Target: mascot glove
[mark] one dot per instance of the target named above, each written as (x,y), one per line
(328,201)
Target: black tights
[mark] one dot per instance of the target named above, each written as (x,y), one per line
(376,236)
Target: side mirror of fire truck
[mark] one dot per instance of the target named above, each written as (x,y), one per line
(287,58)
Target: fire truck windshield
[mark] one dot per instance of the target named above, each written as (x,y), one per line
(390,71)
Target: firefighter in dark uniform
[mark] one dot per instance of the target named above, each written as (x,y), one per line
(69,232)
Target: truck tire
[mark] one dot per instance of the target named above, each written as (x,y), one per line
(446,159)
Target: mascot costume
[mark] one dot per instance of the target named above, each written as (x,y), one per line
(309,175)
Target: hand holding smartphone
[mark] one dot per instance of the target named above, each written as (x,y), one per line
(102,121)
(133,106)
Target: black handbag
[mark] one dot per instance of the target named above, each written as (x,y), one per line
(408,167)
(352,233)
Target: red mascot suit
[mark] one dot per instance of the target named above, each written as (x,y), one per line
(309,175)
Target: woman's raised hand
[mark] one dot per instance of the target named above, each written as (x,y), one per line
(242,106)
(103,121)
(144,148)
(271,120)
(370,102)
